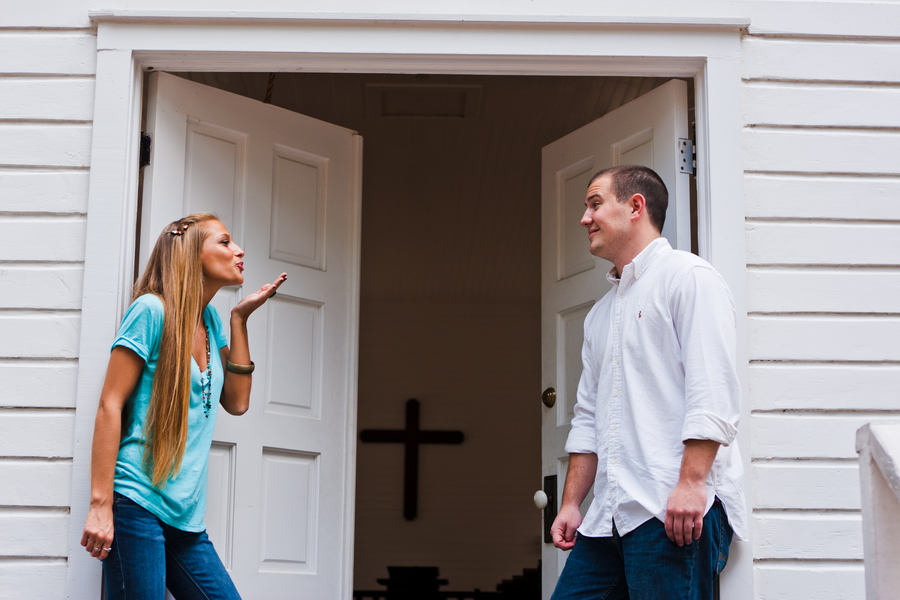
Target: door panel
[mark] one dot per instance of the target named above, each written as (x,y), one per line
(286,186)
(645,131)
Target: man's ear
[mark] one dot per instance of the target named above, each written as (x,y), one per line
(638,206)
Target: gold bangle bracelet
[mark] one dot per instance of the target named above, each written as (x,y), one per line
(240,369)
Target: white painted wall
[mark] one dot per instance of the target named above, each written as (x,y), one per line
(822,199)
(820,85)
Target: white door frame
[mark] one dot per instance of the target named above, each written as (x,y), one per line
(129,42)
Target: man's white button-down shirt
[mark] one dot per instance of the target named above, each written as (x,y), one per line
(658,362)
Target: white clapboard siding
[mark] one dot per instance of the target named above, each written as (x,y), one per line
(35,482)
(805,485)
(39,335)
(788,386)
(45,145)
(832,60)
(41,286)
(822,243)
(38,383)
(44,98)
(807,535)
(36,238)
(822,197)
(821,150)
(793,435)
(33,532)
(48,53)
(850,290)
(824,338)
(24,579)
(47,191)
(818,105)
(36,433)
(794,580)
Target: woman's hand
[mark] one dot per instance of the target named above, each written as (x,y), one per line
(98,531)
(253,301)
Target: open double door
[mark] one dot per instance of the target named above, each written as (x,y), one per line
(281,494)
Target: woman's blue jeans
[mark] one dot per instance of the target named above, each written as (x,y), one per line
(149,556)
(645,565)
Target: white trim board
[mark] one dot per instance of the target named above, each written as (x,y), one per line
(711,55)
(124,15)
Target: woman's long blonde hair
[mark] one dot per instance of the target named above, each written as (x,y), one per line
(174,273)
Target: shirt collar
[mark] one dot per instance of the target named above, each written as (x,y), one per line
(641,262)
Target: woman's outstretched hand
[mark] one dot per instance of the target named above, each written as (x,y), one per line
(253,301)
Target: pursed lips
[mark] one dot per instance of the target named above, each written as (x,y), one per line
(240,266)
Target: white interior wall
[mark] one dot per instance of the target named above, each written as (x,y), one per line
(821,194)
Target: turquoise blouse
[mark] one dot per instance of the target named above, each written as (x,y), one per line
(181,503)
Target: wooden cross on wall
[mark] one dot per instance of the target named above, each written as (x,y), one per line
(412,436)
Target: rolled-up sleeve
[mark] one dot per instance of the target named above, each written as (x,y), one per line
(704,317)
(583,435)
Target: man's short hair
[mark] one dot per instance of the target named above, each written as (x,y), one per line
(628,180)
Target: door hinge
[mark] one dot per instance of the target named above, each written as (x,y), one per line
(145,150)
(687,157)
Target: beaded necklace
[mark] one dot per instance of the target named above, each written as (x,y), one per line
(206,386)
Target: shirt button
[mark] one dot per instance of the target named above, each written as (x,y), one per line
(622,296)
(615,427)
(612,461)
(616,394)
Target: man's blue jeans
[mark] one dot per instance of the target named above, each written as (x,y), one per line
(645,565)
(148,556)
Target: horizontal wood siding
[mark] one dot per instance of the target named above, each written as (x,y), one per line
(821,105)
(818,581)
(35,482)
(804,435)
(44,191)
(823,243)
(49,239)
(48,52)
(823,290)
(822,203)
(821,196)
(41,286)
(813,61)
(830,386)
(36,433)
(33,532)
(27,579)
(39,383)
(46,108)
(821,535)
(806,485)
(45,144)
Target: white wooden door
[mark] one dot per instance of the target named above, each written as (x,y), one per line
(646,132)
(280,487)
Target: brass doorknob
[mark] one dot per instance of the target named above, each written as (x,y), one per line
(549,397)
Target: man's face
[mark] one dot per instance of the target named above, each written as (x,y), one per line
(607,220)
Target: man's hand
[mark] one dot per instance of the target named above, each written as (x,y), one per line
(686,506)
(567,521)
(684,512)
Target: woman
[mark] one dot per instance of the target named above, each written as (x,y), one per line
(157,413)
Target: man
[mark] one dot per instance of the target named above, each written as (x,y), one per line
(657,412)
